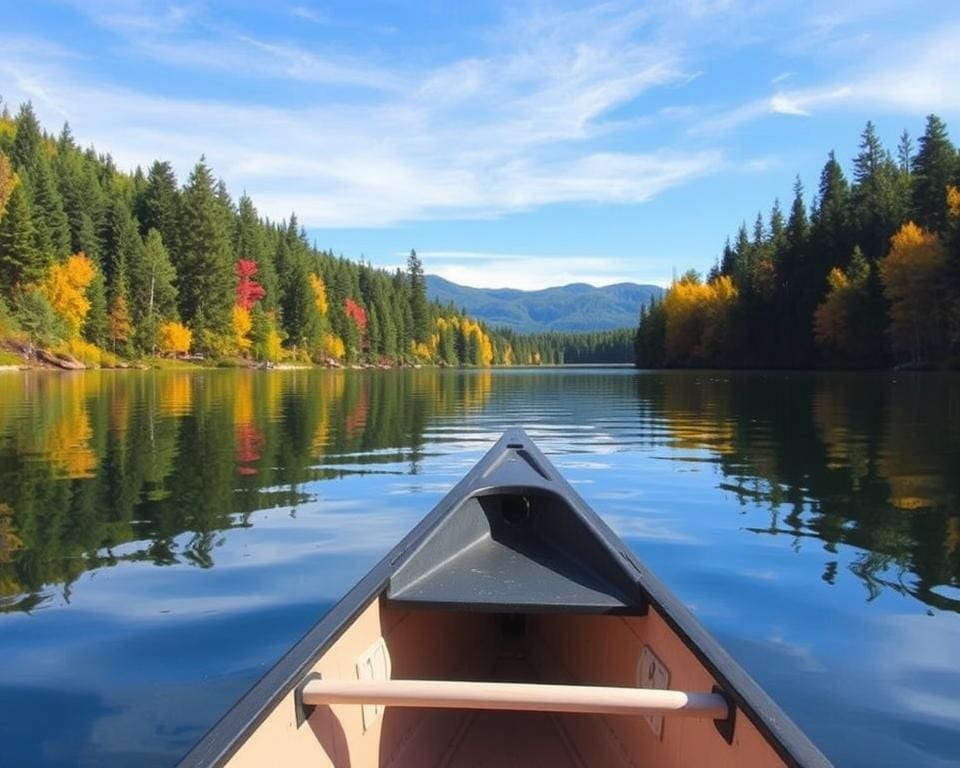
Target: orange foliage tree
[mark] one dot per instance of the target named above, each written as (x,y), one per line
(119,325)
(915,282)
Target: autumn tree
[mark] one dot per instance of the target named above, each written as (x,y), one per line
(65,288)
(119,326)
(914,277)
(841,321)
(174,338)
(252,243)
(249,291)
(7,180)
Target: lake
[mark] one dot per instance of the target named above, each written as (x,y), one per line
(166,536)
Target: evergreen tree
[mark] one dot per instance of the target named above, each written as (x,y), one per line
(934,168)
(50,221)
(26,152)
(877,202)
(831,234)
(19,260)
(159,207)
(206,278)
(121,243)
(419,310)
(83,200)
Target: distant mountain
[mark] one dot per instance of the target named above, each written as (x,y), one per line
(574,307)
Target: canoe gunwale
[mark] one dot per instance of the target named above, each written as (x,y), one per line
(289,673)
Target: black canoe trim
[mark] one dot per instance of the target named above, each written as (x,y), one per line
(535,473)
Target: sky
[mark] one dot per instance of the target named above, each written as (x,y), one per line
(512,144)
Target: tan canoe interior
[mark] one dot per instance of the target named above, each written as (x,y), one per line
(545,648)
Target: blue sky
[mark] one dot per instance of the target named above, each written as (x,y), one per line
(511,143)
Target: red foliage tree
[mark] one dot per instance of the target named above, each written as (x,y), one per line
(356,313)
(249,291)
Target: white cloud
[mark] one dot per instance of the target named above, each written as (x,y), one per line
(309,14)
(476,137)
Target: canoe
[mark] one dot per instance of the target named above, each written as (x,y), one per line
(510,627)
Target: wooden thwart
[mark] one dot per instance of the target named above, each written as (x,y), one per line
(449,694)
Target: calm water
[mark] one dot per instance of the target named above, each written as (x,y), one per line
(164,537)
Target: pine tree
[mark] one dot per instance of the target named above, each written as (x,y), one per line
(121,243)
(934,169)
(206,277)
(159,207)
(83,199)
(419,309)
(26,152)
(19,260)
(878,204)
(50,221)
(831,235)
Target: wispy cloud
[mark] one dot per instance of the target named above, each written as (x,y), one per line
(480,136)
(309,14)
(596,105)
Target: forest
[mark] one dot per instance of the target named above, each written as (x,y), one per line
(98,266)
(866,276)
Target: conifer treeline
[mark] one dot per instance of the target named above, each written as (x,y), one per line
(868,276)
(96,262)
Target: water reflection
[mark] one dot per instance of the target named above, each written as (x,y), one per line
(867,461)
(90,462)
(811,520)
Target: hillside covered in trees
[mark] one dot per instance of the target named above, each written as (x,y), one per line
(573,308)
(97,265)
(867,276)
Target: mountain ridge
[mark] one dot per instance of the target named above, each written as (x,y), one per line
(574,307)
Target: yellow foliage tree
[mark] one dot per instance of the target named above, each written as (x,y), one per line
(333,347)
(831,319)
(8,180)
(242,325)
(175,339)
(915,279)
(698,319)
(953,202)
(273,345)
(838,323)
(319,293)
(65,288)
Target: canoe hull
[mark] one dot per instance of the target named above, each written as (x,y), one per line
(622,620)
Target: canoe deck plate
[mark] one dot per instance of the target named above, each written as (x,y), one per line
(651,673)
